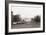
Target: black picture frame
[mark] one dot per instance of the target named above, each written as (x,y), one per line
(23,2)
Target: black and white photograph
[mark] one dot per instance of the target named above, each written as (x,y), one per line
(25,17)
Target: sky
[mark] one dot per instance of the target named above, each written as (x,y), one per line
(27,11)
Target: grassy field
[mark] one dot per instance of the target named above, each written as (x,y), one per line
(26,25)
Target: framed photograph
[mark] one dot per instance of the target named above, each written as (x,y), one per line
(24,17)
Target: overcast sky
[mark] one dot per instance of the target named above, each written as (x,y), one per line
(27,11)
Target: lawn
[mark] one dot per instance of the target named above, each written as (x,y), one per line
(26,25)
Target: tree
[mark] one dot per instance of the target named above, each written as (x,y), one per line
(16,18)
(37,18)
